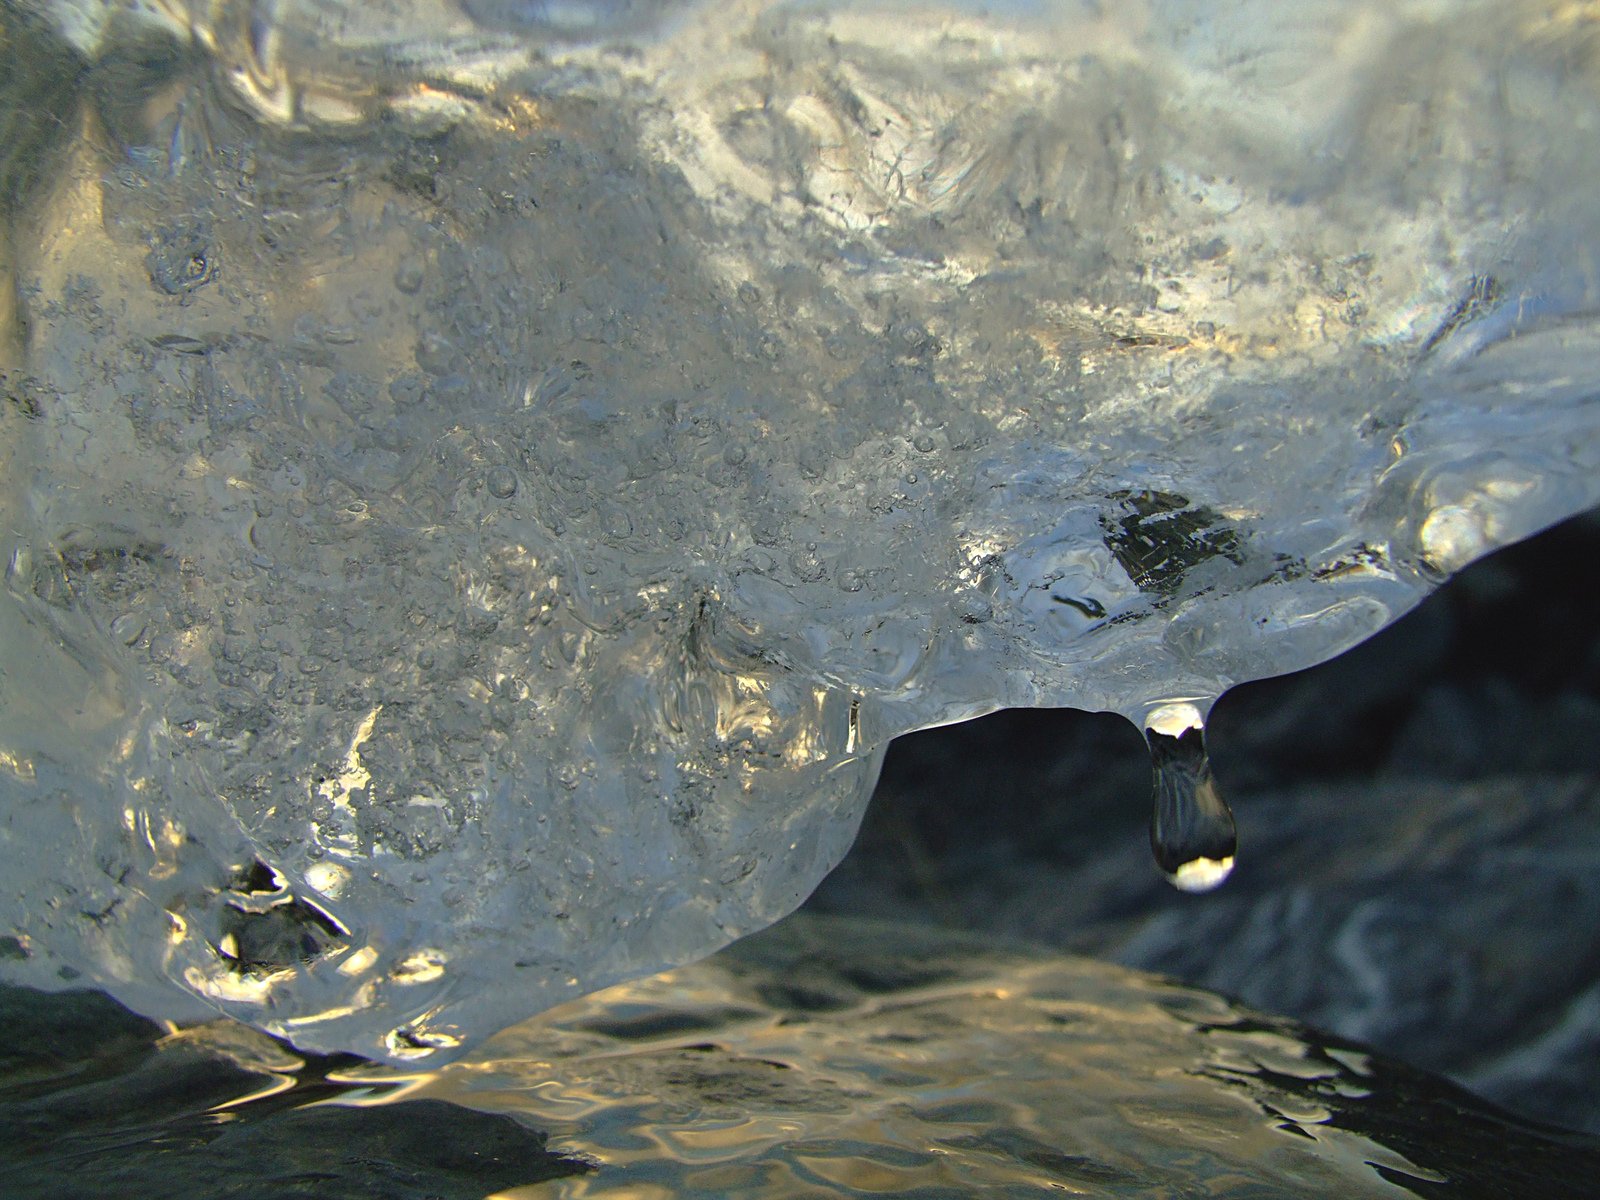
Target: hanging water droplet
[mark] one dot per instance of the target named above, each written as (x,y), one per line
(1191,827)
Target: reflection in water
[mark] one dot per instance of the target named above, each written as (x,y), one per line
(833,1058)
(822,1058)
(94,1102)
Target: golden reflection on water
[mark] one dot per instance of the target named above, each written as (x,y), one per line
(829,1058)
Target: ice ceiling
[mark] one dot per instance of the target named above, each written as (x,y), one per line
(483,482)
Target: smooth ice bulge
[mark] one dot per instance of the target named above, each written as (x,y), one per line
(482,484)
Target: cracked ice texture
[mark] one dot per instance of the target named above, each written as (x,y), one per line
(482,485)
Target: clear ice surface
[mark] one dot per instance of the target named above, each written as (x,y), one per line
(481,483)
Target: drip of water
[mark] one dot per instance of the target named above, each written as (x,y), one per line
(1191,827)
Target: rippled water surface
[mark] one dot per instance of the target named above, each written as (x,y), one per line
(824,1058)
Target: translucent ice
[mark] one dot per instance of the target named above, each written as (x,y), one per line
(482,484)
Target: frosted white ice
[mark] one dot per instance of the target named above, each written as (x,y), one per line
(482,483)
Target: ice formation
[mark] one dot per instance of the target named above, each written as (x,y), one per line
(482,483)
